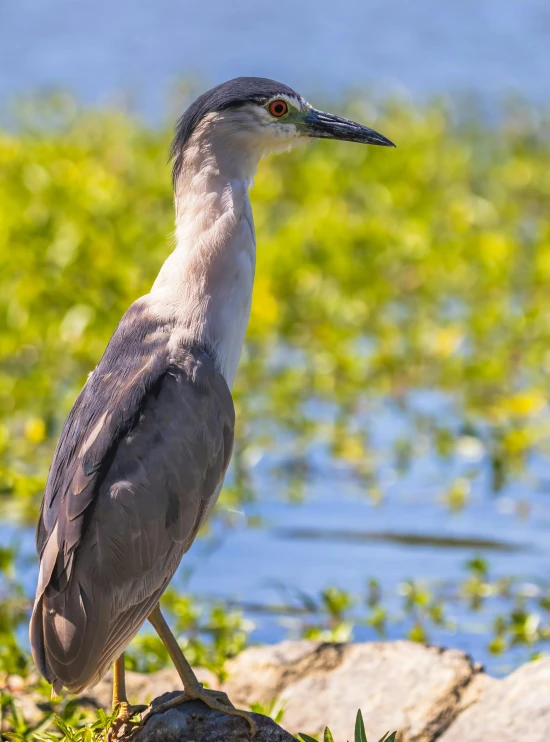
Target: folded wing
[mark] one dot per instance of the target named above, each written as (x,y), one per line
(138,468)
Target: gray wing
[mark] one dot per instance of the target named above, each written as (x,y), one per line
(138,468)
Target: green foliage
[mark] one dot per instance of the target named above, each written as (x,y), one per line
(334,604)
(207,636)
(437,278)
(422,606)
(274,709)
(69,727)
(13,605)
(66,721)
(360,735)
(522,613)
(378,273)
(95,731)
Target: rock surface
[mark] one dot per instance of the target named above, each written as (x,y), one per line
(195,721)
(423,693)
(398,686)
(516,709)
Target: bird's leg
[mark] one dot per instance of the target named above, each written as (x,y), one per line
(192,688)
(120,700)
(119,683)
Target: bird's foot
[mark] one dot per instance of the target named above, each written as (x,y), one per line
(214,699)
(122,724)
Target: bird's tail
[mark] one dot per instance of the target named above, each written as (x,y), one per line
(36,636)
(67,643)
(75,637)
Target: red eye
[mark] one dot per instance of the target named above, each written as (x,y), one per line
(278,108)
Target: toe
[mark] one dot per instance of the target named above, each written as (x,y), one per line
(122,722)
(221,696)
(217,700)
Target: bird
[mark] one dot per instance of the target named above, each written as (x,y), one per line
(142,456)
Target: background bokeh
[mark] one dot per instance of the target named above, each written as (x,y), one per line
(391,474)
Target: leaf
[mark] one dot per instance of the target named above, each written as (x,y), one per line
(328,735)
(43,725)
(70,734)
(103,718)
(18,719)
(360,735)
(306,737)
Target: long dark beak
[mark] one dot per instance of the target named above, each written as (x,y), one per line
(329,126)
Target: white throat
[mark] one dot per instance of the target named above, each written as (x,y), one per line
(206,283)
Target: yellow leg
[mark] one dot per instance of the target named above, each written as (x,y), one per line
(119,682)
(192,689)
(120,700)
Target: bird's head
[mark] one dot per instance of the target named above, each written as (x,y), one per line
(249,117)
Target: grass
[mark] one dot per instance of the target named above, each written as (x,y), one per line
(53,727)
(359,736)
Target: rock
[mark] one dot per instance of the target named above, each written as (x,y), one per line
(515,709)
(423,693)
(194,721)
(403,686)
(15,683)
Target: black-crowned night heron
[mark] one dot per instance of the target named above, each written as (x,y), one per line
(144,451)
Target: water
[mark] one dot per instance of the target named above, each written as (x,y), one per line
(136,52)
(336,535)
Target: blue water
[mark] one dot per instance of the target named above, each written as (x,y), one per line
(260,557)
(135,52)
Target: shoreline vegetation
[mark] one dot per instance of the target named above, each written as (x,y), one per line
(378,278)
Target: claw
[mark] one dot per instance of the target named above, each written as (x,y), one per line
(217,700)
(122,723)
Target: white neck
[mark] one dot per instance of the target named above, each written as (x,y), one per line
(206,283)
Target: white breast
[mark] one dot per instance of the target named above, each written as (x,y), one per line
(206,284)
(229,308)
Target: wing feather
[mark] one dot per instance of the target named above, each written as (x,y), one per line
(138,467)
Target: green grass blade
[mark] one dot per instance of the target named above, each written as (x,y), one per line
(360,735)
(44,724)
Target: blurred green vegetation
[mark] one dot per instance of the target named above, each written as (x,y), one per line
(379,272)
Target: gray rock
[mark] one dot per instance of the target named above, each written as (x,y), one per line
(423,693)
(194,721)
(401,686)
(516,709)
